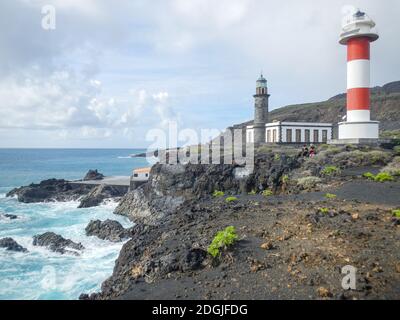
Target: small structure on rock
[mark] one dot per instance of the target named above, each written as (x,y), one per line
(139,177)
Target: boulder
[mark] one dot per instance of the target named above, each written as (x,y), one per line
(97,195)
(57,243)
(8,216)
(107,230)
(11,245)
(93,175)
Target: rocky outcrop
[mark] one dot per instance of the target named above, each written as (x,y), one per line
(107,230)
(170,186)
(57,243)
(93,175)
(98,194)
(8,216)
(50,190)
(11,245)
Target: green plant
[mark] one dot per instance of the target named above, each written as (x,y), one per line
(397,150)
(396,213)
(369,176)
(330,171)
(231,199)
(252,192)
(285,179)
(308,182)
(218,194)
(222,239)
(267,193)
(324,210)
(383,177)
(277,157)
(330,196)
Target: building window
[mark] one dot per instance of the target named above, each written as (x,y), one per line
(147,175)
(316,136)
(269,136)
(135,175)
(298,135)
(324,136)
(307,135)
(274,135)
(289,135)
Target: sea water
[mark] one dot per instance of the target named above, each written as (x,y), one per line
(40,273)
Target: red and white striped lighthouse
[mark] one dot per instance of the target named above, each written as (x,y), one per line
(357,34)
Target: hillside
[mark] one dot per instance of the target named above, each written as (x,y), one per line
(385,107)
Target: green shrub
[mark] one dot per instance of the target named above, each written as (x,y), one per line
(383,177)
(285,179)
(324,210)
(223,239)
(396,213)
(330,171)
(231,199)
(397,150)
(218,194)
(308,182)
(252,192)
(277,157)
(267,193)
(369,176)
(330,196)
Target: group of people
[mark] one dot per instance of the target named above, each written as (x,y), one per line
(308,152)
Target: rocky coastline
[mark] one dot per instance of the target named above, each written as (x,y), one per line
(299,221)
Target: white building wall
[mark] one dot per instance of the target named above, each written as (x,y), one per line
(281,132)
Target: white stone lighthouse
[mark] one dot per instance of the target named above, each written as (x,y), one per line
(357,34)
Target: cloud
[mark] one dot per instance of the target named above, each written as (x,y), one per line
(116,69)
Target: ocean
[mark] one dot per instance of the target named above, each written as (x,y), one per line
(40,273)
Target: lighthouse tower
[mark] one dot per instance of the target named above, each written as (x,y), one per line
(357,34)
(260,110)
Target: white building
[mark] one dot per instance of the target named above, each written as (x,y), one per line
(294,132)
(140,175)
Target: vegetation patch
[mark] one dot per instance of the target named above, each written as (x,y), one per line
(252,193)
(380,177)
(330,196)
(396,150)
(308,182)
(267,193)
(324,210)
(222,240)
(218,194)
(231,199)
(330,171)
(396,213)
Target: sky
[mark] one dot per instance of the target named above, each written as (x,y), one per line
(110,71)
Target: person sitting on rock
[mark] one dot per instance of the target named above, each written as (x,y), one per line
(312,152)
(305,151)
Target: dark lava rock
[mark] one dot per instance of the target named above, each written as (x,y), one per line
(50,190)
(107,230)
(11,245)
(100,193)
(194,259)
(93,175)
(57,243)
(9,216)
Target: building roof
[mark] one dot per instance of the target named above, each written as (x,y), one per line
(261,78)
(142,170)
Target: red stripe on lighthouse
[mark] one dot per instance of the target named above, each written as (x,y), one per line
(358,48)
(358,99)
